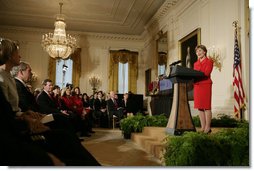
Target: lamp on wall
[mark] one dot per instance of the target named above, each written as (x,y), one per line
(58,44)
(33,78)
(95,82)
(214,54)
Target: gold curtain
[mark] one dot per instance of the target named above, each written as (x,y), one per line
(123,56)
(52,69)
(76,69)
(113,73)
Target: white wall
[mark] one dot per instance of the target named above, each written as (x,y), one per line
(30,51)
(94,54)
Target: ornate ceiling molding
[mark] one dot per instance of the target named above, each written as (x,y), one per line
(98,36)
(163,11)
(104,36)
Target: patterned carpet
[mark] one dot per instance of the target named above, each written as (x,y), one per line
(111,149)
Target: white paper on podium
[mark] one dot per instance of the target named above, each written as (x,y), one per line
(47,118)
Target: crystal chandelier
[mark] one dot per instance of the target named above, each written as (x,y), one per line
(58,44)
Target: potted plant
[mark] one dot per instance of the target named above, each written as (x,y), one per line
(126,125)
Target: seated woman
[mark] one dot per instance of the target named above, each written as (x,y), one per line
(89,111)
(68,104)
(15,150)
(100,109)
(80,110)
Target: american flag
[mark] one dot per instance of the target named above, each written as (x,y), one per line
(237,83)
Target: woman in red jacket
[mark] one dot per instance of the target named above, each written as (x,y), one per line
(67,100)
(203,88)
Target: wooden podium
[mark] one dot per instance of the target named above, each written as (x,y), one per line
(180,118)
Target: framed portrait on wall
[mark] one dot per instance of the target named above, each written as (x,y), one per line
(187,48)
(147,80)
(188,55)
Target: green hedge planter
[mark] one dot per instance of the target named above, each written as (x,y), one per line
(137,122)
(229,147)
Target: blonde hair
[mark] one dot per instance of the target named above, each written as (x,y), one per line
(7,48)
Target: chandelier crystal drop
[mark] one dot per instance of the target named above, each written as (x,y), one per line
(58,44)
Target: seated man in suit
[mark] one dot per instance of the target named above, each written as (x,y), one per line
(45,100)
(47,105)
(18,148)
(14,151)
(27,101)
(113,107)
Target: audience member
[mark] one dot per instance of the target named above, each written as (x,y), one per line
(67,104)
(36,92)
(14,150)
(89,110)
(27,102)
(79,108)
(13,121)
(100,110)
(56,95)
(114,108)
(22,74)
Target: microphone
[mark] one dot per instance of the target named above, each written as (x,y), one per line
(174,63)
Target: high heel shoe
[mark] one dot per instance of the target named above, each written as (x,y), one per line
(208,132)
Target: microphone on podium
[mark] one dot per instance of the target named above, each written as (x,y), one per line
(175,63)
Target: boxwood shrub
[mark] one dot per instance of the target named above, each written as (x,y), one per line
(228,147)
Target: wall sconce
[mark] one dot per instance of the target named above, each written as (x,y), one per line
(95,82)
(214,54)
(33,78)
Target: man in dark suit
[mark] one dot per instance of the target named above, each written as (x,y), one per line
(14,151)
(22,74)
(27,101)
(18,148)
(113,107)
(45,100)
(48,105)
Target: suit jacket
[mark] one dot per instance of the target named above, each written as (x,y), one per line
(26,98)
(17,150)
(98,105)
(111,105)
(14,150)
(46,104)
(127,106)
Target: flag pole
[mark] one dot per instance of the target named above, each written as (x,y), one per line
(237,57)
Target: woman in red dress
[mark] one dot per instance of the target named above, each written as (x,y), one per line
(203,88)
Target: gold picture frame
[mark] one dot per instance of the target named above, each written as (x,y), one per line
(188,55)
(191,40)
(147,80)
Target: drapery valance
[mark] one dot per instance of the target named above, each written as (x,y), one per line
(123,56)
